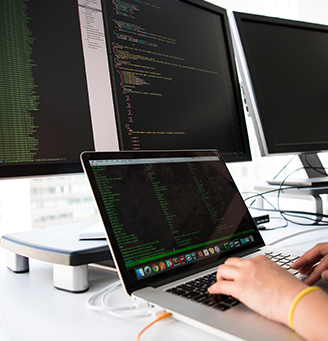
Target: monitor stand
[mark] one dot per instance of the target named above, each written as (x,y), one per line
(315,185)
(60,246)
(317,176)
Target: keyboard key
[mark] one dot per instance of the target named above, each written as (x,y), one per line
(292,258)
(230,301)
(201,297)
(292,271)
(196,290)
(220,306)
(284,260)
(190,294)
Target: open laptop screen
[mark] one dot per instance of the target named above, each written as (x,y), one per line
(164,212)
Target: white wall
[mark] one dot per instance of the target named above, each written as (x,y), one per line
(305,10)
(15,206)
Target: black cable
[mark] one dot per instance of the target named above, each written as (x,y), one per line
(299,214)
(314,221)
(285,213)
(316,168)
(284,167)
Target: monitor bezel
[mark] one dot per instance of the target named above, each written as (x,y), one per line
(250,97)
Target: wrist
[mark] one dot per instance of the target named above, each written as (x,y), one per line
(296,301)
(311,316)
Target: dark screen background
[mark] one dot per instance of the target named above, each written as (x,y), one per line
(44,110)
(288,66)
(186,97)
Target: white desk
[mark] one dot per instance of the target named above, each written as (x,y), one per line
(33,310)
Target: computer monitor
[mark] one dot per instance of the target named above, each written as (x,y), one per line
(71,81)
(283,67)
(174,77)
(44,106)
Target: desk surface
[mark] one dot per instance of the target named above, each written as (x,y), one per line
(32,309)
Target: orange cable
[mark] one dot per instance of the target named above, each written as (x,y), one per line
(161,317)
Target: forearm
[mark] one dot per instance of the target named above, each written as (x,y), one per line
(311,315)
(257,280)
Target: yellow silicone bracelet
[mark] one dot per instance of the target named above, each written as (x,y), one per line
(294,304)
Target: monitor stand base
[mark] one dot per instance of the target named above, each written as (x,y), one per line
(59,245)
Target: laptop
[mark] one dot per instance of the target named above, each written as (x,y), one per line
(172,217)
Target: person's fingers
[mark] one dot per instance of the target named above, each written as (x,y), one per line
(255,280)
(227,271)
(316,272)
(222,287)
(235,261)
(324,275)
(306,266)
(313,278)
(311,257)
(306,270)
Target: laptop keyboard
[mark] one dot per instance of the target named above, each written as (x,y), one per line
(196,290)
(284,260)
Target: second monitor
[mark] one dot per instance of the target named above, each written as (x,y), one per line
(284,68)
(173,77)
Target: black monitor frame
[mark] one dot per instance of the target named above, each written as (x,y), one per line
(279,57)
(261,94)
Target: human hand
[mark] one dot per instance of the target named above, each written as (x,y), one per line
(307,264)
(260,284)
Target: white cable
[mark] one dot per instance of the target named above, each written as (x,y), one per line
(112,287)
(134,310)
(295,235)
